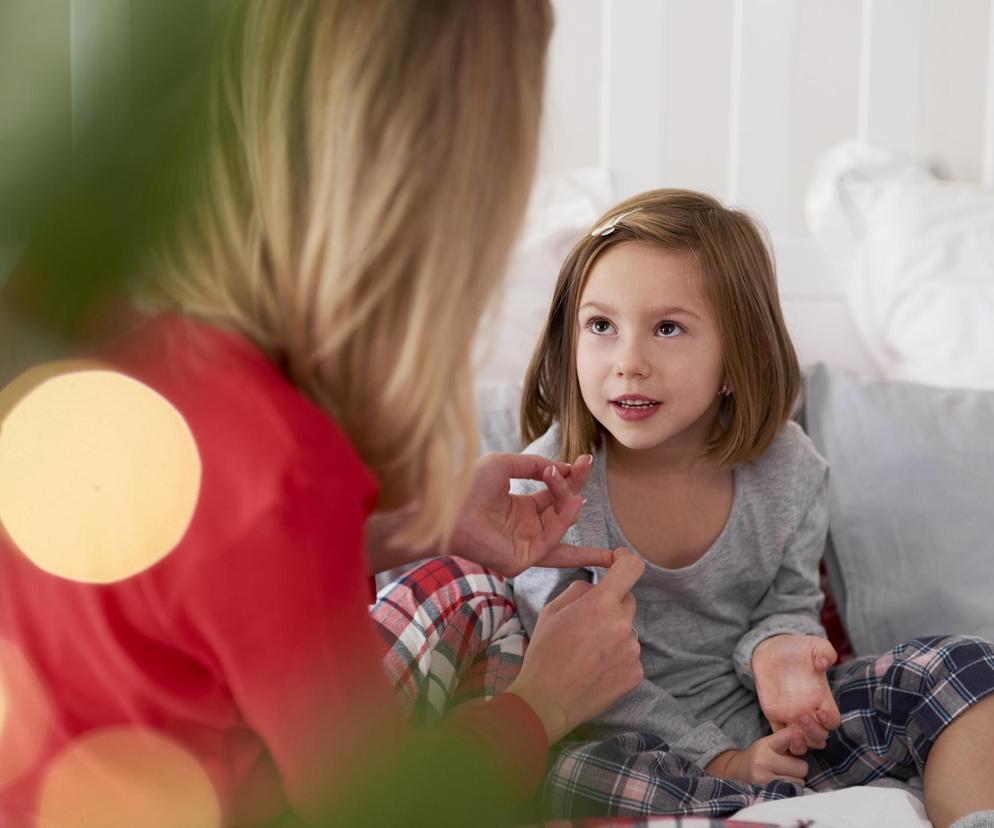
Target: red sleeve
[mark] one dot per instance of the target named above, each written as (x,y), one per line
(285,613)
(514,733)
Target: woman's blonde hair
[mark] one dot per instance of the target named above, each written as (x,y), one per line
(369,164)
(738,280)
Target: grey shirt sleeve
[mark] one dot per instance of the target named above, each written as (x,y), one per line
(793,602)
(535,587)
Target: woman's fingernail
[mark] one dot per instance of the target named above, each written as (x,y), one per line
(554,472)
(583,501)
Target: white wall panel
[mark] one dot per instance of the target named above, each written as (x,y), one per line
(824,102)
(571,128)
(759,139)
(891,80)
(697,60)
(954,65)
(988,148)
(633,103)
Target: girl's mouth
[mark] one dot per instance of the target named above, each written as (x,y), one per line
(635,408)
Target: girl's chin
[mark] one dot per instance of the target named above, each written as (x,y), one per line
(633,442)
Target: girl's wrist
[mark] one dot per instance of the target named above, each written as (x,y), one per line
(719,766)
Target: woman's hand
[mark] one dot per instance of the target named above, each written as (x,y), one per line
(503,532)
(509,533)
(764,760)
(584,655)
(793,687)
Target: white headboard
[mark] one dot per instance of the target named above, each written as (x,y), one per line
(740,97)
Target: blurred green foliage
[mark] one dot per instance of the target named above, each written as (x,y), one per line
(100,118)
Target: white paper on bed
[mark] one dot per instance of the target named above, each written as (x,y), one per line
(866,807)
(917,255)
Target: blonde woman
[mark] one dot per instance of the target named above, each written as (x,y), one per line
(369,165)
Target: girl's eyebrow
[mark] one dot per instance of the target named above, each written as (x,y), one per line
(664,311)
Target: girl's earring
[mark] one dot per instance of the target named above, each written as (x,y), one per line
(725,391)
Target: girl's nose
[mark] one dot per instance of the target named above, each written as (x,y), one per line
(631,362)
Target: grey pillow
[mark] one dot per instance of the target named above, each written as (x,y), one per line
(911,515)
(498,406)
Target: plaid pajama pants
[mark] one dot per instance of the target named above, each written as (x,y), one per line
(453,635)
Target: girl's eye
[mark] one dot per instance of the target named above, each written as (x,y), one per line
(600,326)
(669,329)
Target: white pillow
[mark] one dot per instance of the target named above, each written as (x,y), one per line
(563,207)
(918,255)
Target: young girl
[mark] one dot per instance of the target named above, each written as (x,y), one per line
(666,356)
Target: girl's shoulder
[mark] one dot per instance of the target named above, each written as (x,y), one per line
(792,460)
(548,445)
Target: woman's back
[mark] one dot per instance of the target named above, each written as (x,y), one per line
(230,646)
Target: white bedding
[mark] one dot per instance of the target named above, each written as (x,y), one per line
(850,808)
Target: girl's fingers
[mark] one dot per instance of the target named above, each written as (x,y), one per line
(814,733)
(783,744)
(791,766)
(825,655)
(829,716)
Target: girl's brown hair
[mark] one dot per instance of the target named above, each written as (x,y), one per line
(370,165)
(739,281)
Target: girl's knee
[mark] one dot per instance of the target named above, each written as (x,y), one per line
(438,585)
(968,657)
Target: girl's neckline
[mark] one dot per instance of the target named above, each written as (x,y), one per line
(600,472)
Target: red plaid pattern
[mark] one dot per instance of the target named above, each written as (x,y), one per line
(452,634)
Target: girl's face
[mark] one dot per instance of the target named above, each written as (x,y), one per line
(649,357)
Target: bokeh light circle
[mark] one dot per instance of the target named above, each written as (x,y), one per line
(99,474)
(123,777)
(25,714)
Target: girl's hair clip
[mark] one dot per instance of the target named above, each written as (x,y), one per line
(609,226)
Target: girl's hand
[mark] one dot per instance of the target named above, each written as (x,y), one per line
(510,533)
(583,655)
(764,760)
(793,688)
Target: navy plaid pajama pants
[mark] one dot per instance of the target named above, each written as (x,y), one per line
(453,636)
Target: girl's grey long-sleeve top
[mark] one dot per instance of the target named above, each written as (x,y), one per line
(698,625)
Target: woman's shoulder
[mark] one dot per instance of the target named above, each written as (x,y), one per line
(253,428)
